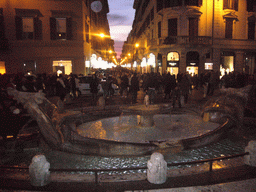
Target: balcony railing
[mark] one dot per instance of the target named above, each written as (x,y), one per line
(196,40)
(181,40)
(203,40)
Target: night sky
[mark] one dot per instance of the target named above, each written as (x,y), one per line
(120,17)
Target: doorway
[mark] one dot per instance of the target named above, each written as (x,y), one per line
(62,67)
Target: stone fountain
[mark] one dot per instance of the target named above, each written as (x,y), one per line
(133,130)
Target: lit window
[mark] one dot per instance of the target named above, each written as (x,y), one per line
(28,28)
(61,28)
(208,66)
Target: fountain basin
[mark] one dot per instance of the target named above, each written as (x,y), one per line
(166,128)
(123,133)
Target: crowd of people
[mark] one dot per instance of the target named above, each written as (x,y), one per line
(176,88)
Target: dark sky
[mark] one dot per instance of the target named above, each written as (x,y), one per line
(120,17)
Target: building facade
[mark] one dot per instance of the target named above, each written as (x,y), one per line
(193,36)
(48,36)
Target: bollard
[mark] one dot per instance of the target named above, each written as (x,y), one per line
(39,171)
(251,158)
(157,169)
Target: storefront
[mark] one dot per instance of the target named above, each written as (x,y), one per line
(173,60)
(62,67)
(29,66)
(144,65)
(227,62)
(151,63)
(250,60)
(159,64)
(192,60)
(2,67)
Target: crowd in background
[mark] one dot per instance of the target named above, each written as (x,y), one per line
(129,83)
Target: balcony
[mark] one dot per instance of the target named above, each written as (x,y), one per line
(187,40)
(181,40)
(220,43)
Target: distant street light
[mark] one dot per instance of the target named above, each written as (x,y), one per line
(102,35)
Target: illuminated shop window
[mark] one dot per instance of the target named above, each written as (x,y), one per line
(208,66)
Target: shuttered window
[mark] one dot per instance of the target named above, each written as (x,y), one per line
(193,27)
(172,27)
(2,28)
(230,4)
(160,5)
(193,2)
(28,28)
(159,29)
(229,29)
(251,30)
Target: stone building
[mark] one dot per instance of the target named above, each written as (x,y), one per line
(48,36)
(192,36)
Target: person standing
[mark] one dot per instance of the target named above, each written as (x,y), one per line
(185,86)
(213,83)
(94,87)
(170,84)
(61,87)
(134,88)
(124,85)
(73,85)
(176,93)
(152,83)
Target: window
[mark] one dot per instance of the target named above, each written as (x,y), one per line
(251,30)
(28,28)
(152,14)
(159,29)
(172,27)
(251,5)
(230,4)
(29,66)
(193,27)
(28,24)
(193,2)
(61,28)
(172,3)
(160,5)
(229,28)
(2,28)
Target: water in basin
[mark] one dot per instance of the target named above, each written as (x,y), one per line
(129,129)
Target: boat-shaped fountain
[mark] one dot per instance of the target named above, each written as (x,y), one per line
(133,130)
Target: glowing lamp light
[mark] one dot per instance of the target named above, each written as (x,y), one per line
(59,72)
